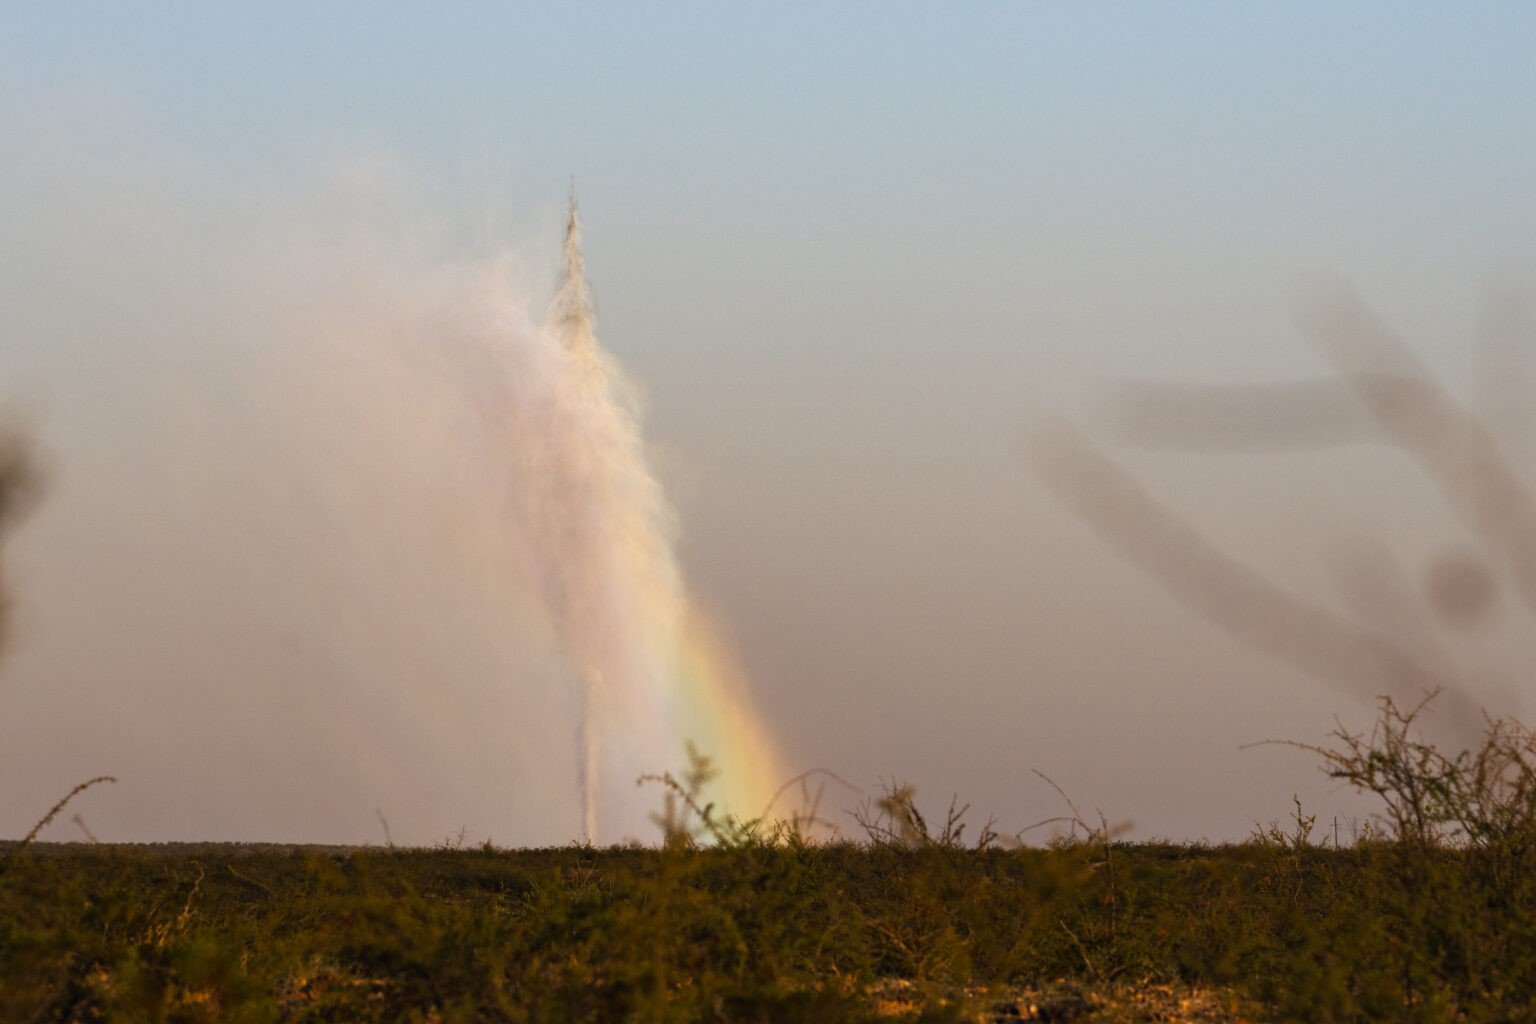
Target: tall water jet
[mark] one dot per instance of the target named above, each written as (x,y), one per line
(650,672)
(572,320)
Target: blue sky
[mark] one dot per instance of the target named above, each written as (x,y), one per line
(810,110)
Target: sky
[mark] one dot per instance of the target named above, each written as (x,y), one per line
(853,256)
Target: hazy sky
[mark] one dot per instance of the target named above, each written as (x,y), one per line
(849,252)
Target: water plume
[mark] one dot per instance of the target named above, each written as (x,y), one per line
(333,510)
(650,673)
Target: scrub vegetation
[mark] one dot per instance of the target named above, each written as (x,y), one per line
(1426,917)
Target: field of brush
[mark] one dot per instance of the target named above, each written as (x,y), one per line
(1273,929)
(1429,916)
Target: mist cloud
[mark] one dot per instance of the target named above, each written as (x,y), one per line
(275,587)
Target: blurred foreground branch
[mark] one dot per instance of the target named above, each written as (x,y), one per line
(1379,392)
(20,485)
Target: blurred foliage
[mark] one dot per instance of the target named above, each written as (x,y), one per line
(19,477)
(20,483)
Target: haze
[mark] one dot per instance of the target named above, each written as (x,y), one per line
(853,258)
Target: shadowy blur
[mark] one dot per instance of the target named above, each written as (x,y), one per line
(19,486)
(1240,417)
(1390,632)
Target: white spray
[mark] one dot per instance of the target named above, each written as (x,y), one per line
(602,534)
(368,481)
